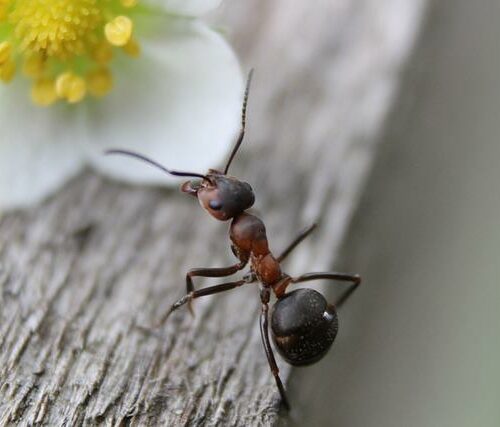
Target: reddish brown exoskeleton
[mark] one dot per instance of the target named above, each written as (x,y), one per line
(303,324)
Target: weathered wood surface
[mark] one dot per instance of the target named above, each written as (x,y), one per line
(78,271)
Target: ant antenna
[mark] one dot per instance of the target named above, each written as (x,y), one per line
(243,122)
(152,162)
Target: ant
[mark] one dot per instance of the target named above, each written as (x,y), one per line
(303,324)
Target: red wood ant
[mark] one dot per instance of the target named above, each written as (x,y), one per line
(303,324)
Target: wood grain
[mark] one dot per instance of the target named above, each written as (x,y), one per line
(78,272)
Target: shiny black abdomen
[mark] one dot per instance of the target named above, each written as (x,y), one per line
(304,326)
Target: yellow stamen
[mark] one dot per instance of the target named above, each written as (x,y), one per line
(43,92)
(132,48)
(7,70)
(63,83)
(60,28)
(71,87)
(77,90)
(5,50)
(33,66)
(3,9)
(102,53)
(99,82)
(119,30)
(129,3)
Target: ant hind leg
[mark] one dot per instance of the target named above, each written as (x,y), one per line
(302,235)
(264,333)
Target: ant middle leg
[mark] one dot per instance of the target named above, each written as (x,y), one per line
(355,280)
(303,234)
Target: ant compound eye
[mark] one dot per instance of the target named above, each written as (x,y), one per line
(215,204)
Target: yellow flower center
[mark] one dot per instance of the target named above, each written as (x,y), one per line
(65,46)
(60,28)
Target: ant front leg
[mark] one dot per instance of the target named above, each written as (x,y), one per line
(211,272)
(264,333)
(210,290)
(205,272)
(355,280)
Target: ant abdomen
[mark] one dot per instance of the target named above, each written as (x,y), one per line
(304,326)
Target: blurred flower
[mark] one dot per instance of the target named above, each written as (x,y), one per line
(85,75)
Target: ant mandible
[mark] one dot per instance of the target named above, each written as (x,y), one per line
(303,324)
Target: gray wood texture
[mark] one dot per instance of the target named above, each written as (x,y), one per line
(77,272)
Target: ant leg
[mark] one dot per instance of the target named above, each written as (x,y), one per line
(210,290)
(303,234)
(211,272)
(345,296)
(355,280)
(264,333)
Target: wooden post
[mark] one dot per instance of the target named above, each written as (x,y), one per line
(80,271)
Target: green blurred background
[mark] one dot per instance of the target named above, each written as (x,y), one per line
(419,343)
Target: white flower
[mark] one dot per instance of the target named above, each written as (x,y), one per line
(149,77)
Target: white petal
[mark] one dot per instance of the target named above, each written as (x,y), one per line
(40,148)
(185,7)
(179,103)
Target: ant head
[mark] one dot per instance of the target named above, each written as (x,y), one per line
(220,195)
